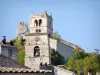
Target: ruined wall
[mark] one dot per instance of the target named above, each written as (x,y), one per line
(7,62)
(9,51)
(22,29)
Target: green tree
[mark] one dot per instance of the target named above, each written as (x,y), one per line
(84,61)
(56,58)
(70,63)
(21,49)
(21,55)
(92,62)
(80,54)
(56,35)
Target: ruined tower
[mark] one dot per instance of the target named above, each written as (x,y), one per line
(37,47)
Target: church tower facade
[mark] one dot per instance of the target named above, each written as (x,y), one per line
(37,46)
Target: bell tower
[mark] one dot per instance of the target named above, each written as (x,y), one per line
(37,47)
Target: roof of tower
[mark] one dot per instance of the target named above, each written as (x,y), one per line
(43,14)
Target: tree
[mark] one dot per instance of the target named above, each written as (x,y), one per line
(97,51)
(70,63)
(56,35)
(79,54)
(92,62)
(21,55)
(21,49)
(56,58)
(84,61)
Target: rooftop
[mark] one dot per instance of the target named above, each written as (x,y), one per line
(23,70)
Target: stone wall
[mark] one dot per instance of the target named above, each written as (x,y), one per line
(61,71)
(41,41)
(64,49)
(22,29)
(9,51)
(7,62)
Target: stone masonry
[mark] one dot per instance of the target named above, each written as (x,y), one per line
(37,47)
(9,51)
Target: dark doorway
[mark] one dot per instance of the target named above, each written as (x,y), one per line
(36,51)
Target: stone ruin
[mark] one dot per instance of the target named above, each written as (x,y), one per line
(22,29)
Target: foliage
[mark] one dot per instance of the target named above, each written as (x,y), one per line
(21,49)
(80,54)
(84,61)
(21,55)
(18,42)
(56,58)
(70,63)
(56,35)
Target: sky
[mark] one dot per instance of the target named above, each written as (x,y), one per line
(77,21)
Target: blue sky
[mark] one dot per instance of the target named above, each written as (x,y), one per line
(78,21)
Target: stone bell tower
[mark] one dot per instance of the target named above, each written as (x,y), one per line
(37,47)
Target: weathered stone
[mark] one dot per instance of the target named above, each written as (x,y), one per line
(40,28)
(7,62)
(9,51)
(22,29)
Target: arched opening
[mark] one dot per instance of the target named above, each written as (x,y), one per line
(36,51)
(40,22)
(36,23)
(39,30)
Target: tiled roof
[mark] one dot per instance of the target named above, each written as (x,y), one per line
(22,70)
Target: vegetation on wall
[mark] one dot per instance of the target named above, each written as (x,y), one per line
(80,61)
(56,36)
(19,43)
(21,55)
(56,58)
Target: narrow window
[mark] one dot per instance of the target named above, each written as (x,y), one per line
(36,23)
(39,30)
(41,64)
(40,22)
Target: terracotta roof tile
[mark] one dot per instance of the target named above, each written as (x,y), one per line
(24,70)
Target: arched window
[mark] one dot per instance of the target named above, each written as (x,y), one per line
(41,64)
(39,30)
(36,30)
(40,22)
(36,23)
(36,51)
